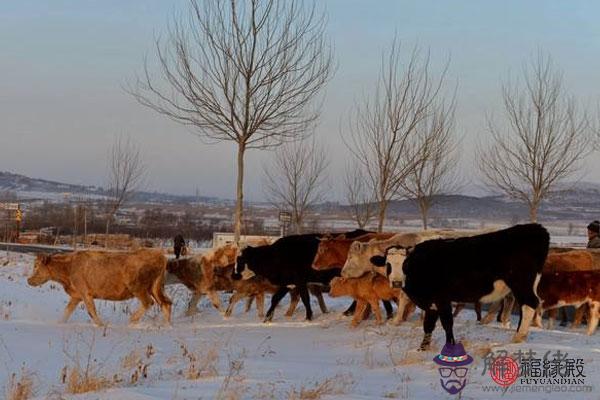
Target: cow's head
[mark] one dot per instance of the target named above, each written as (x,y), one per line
(392,260)
(41,270)
(241,270)
(357,263)
(338,287)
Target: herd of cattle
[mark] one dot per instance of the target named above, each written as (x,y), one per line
(430,270)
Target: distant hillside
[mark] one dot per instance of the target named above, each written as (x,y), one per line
(572,201)
(27,188)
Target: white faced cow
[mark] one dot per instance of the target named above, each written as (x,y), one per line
(479,268)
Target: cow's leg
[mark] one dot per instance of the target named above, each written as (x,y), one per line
(389,311)
(214,299)
(408,309)
(374,303)
(551,317)
(145,303)
(593,317)
(319,295)
(91,309)
(275,299)
(402,301)
(580,313)
(235,297)
(73,302)
(306,301)
(350,309)
(192,307)
(528,308)
(492,310)
(507,306)
(564,319)
(431,317)
(445,312)
(361,308)
(158,293)
(260,304)
(458,309)
(249,300)
(539,313)
(294,300)
(477,307)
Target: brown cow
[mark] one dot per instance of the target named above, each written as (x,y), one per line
(367,291)
(198,274)
(89,275)
(557,289)
(558,260)
(332,252)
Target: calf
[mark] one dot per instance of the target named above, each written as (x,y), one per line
(285,262)
(367,290)
(255,288)
(557,289)
(89,275)
(198,274)
(333,252)
(479,268)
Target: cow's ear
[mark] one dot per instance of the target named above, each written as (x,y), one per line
(378,261)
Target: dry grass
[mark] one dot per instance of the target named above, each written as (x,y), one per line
(201,363)
(20,386)
(337,385)
(233,387)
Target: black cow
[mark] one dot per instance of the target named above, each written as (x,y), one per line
(479,268)
(287,261)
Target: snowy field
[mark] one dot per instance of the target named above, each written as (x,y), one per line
(207,356)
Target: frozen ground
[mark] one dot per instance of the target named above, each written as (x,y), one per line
(210,357)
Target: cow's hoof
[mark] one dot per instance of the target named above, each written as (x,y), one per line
(288,315)
(506,325)
(519,338)
(348,313)
(190,313)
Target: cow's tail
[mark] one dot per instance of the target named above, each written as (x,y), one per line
(158,288)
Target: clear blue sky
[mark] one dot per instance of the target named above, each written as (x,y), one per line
(63,65)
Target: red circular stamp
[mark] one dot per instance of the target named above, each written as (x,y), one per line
(504,371)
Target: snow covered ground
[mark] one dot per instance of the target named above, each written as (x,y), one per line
(207,356)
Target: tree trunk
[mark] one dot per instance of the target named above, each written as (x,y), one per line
(239,204)
(381,215)
(424,209)
(533,212)
(108,218)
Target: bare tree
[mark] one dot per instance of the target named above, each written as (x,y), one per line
(436,158)
(543,140)
(244,71)
(382,128)
(359,195)
(126,172)
(295,178)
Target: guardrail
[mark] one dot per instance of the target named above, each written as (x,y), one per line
(33,248)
